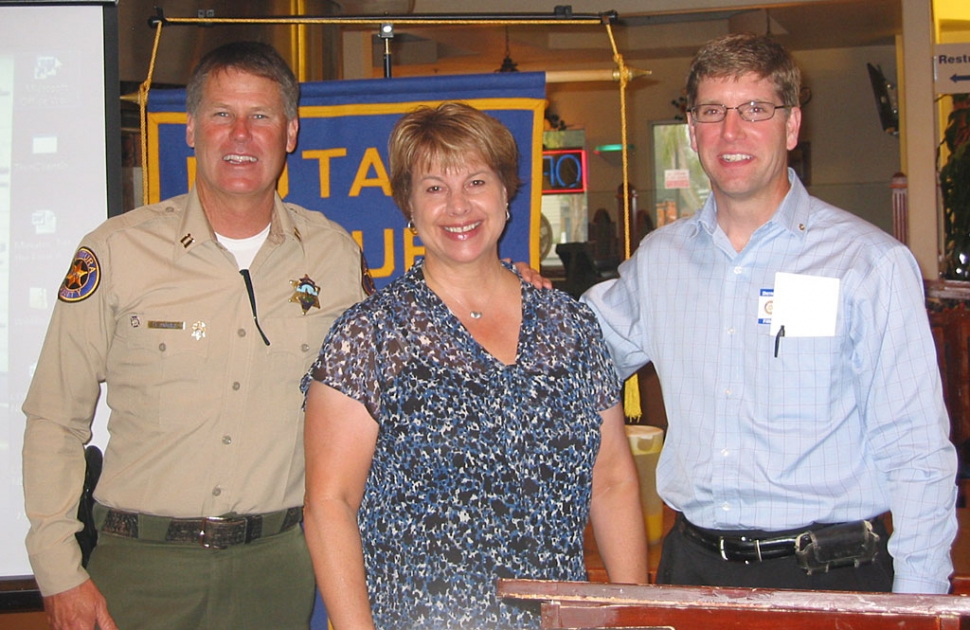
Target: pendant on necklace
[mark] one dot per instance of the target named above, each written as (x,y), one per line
(476,314)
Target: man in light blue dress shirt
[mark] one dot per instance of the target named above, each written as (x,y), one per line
(796,362)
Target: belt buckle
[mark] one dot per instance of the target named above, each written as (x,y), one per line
(724,552)
(212,527)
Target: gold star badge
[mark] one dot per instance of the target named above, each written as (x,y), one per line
(306,293)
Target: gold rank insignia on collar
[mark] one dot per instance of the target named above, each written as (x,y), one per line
(306,293)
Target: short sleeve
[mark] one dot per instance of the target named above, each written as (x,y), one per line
(348,359)
(604,383)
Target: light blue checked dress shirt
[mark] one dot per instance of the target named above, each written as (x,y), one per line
(831,429)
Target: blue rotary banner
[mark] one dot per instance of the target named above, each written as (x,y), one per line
(340,165)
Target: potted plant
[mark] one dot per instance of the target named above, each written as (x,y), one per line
(955,190)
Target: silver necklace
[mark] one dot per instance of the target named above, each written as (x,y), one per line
(472,314)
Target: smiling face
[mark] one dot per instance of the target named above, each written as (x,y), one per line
(745,161)
(241,136)
(458,212)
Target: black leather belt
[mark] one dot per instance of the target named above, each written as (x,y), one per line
(741,548)
(212,532)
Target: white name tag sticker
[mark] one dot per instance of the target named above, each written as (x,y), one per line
(807,306)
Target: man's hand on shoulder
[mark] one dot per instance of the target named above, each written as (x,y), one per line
(532,276)
(80,608)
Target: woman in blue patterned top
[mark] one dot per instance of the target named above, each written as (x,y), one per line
(461,425)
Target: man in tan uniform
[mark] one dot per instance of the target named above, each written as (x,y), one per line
(201,314)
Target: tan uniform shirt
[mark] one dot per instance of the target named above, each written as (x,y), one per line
(205,417)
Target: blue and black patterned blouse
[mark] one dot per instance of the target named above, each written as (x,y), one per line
(481,470)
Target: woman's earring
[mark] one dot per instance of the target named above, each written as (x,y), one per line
(508,215)
(411,228)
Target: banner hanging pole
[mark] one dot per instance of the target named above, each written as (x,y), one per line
(562,16)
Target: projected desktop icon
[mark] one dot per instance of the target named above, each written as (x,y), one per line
(46,67)
(44,221)
(38,299)
(43,144)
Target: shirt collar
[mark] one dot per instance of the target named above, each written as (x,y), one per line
(195,228)
(707,217)
(792,214)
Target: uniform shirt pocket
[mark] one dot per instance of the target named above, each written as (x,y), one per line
(156,367)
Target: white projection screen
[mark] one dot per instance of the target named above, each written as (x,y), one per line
(60,176)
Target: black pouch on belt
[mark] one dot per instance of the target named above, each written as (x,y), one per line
(842,545)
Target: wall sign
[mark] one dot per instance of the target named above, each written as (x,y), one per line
(563,171)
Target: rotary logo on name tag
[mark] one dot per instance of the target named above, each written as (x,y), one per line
(766,304)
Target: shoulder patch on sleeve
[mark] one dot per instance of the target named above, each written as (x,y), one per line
(82,278)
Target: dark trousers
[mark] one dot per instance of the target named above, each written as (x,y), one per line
(686,563)
(266,584)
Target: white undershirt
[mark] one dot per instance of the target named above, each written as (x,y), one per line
(244,249)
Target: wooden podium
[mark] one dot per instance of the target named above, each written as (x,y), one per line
(589,605)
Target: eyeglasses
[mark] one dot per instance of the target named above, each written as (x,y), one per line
(755,111)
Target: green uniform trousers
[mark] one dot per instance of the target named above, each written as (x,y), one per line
(266,584)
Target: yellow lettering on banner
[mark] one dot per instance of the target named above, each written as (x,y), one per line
(324,155)
(411,251)
(387,268)
(371,159)
(283,183)
(190,169)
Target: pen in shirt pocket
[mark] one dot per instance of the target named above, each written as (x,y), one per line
(781,333)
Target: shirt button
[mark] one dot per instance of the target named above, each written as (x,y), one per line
(227,439)
(236,386)
(725,452)
(727,392)
(161,347)
(216,491)
(739,269)
(305,347)
(241,332)
(726,506)
(730,331)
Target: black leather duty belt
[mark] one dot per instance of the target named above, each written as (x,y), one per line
(213,532)
(740,548)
